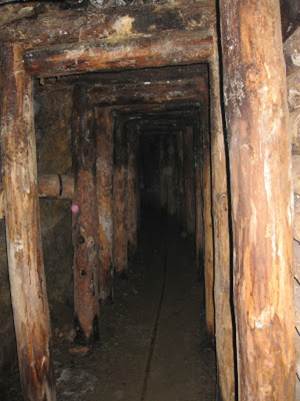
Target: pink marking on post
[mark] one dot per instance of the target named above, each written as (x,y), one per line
(75,208)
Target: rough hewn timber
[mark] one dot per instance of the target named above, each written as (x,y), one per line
(260,169)
(24,248)
(132,192)
(120,245)
(222,262)
(188,171)
(199,223)
(180,186)
(85,220)
(104,174)
(135,52)
(52,25)
(147,91)
(208,237)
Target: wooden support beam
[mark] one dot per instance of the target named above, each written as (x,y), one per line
(133,183)
(199,223)
(147,91)
(172,169)
(208,237)
(180,185)
(188,171)
(136,52)
(120,246)
(221,229)
(49,186)
(23,234)
(104,173)
(85,221)
(163,177)
(260,169)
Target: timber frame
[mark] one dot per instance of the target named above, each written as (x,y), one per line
(84,45)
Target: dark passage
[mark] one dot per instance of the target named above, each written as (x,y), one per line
(153,344)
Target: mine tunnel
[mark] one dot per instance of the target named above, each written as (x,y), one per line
(149,200)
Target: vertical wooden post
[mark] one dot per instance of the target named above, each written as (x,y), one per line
(188,171)
(163,159)
(180,186)
(132,205)
(260,169)
(199,224)
(85,220)
(208,237)
(222,262)
(24,249)
(120,200)
(172,172)
(104,178)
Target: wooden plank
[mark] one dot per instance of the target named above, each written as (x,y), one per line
(23,234)
(104,176)
(188,172)
(257,122)
(120,238)
(222,262)
(140,52)
(85,221)
(208,237)
(132,182)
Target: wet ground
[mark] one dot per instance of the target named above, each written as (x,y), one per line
(153,345)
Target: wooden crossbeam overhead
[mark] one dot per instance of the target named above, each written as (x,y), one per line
(148,92)
(53,25)
(157,50)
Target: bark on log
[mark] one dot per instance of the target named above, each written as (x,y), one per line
(208,237)
(85,221)
(141,52)
(222,262)
(132,182)
(188,171)
(104,174)
(24,248)
(260,168)
(120,256)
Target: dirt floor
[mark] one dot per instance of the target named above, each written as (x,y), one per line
(153,345)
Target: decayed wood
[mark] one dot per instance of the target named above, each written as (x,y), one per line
(222,262)
(120,237)
(180,186)
(208,236)
(56,186)
(199,229)
(85,221)
(147,91)
(24,249)
(132,192)
(104,173)
(49,186)
(54,25)
(172,176)
(292,52)
(135,52)
(188,177)
(260,169)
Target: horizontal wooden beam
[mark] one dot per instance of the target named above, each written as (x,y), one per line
(172,48)
(148,92)
(50,186)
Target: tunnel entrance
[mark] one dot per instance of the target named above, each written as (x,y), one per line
(142,335)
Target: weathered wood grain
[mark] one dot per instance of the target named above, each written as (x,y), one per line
(260,169)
